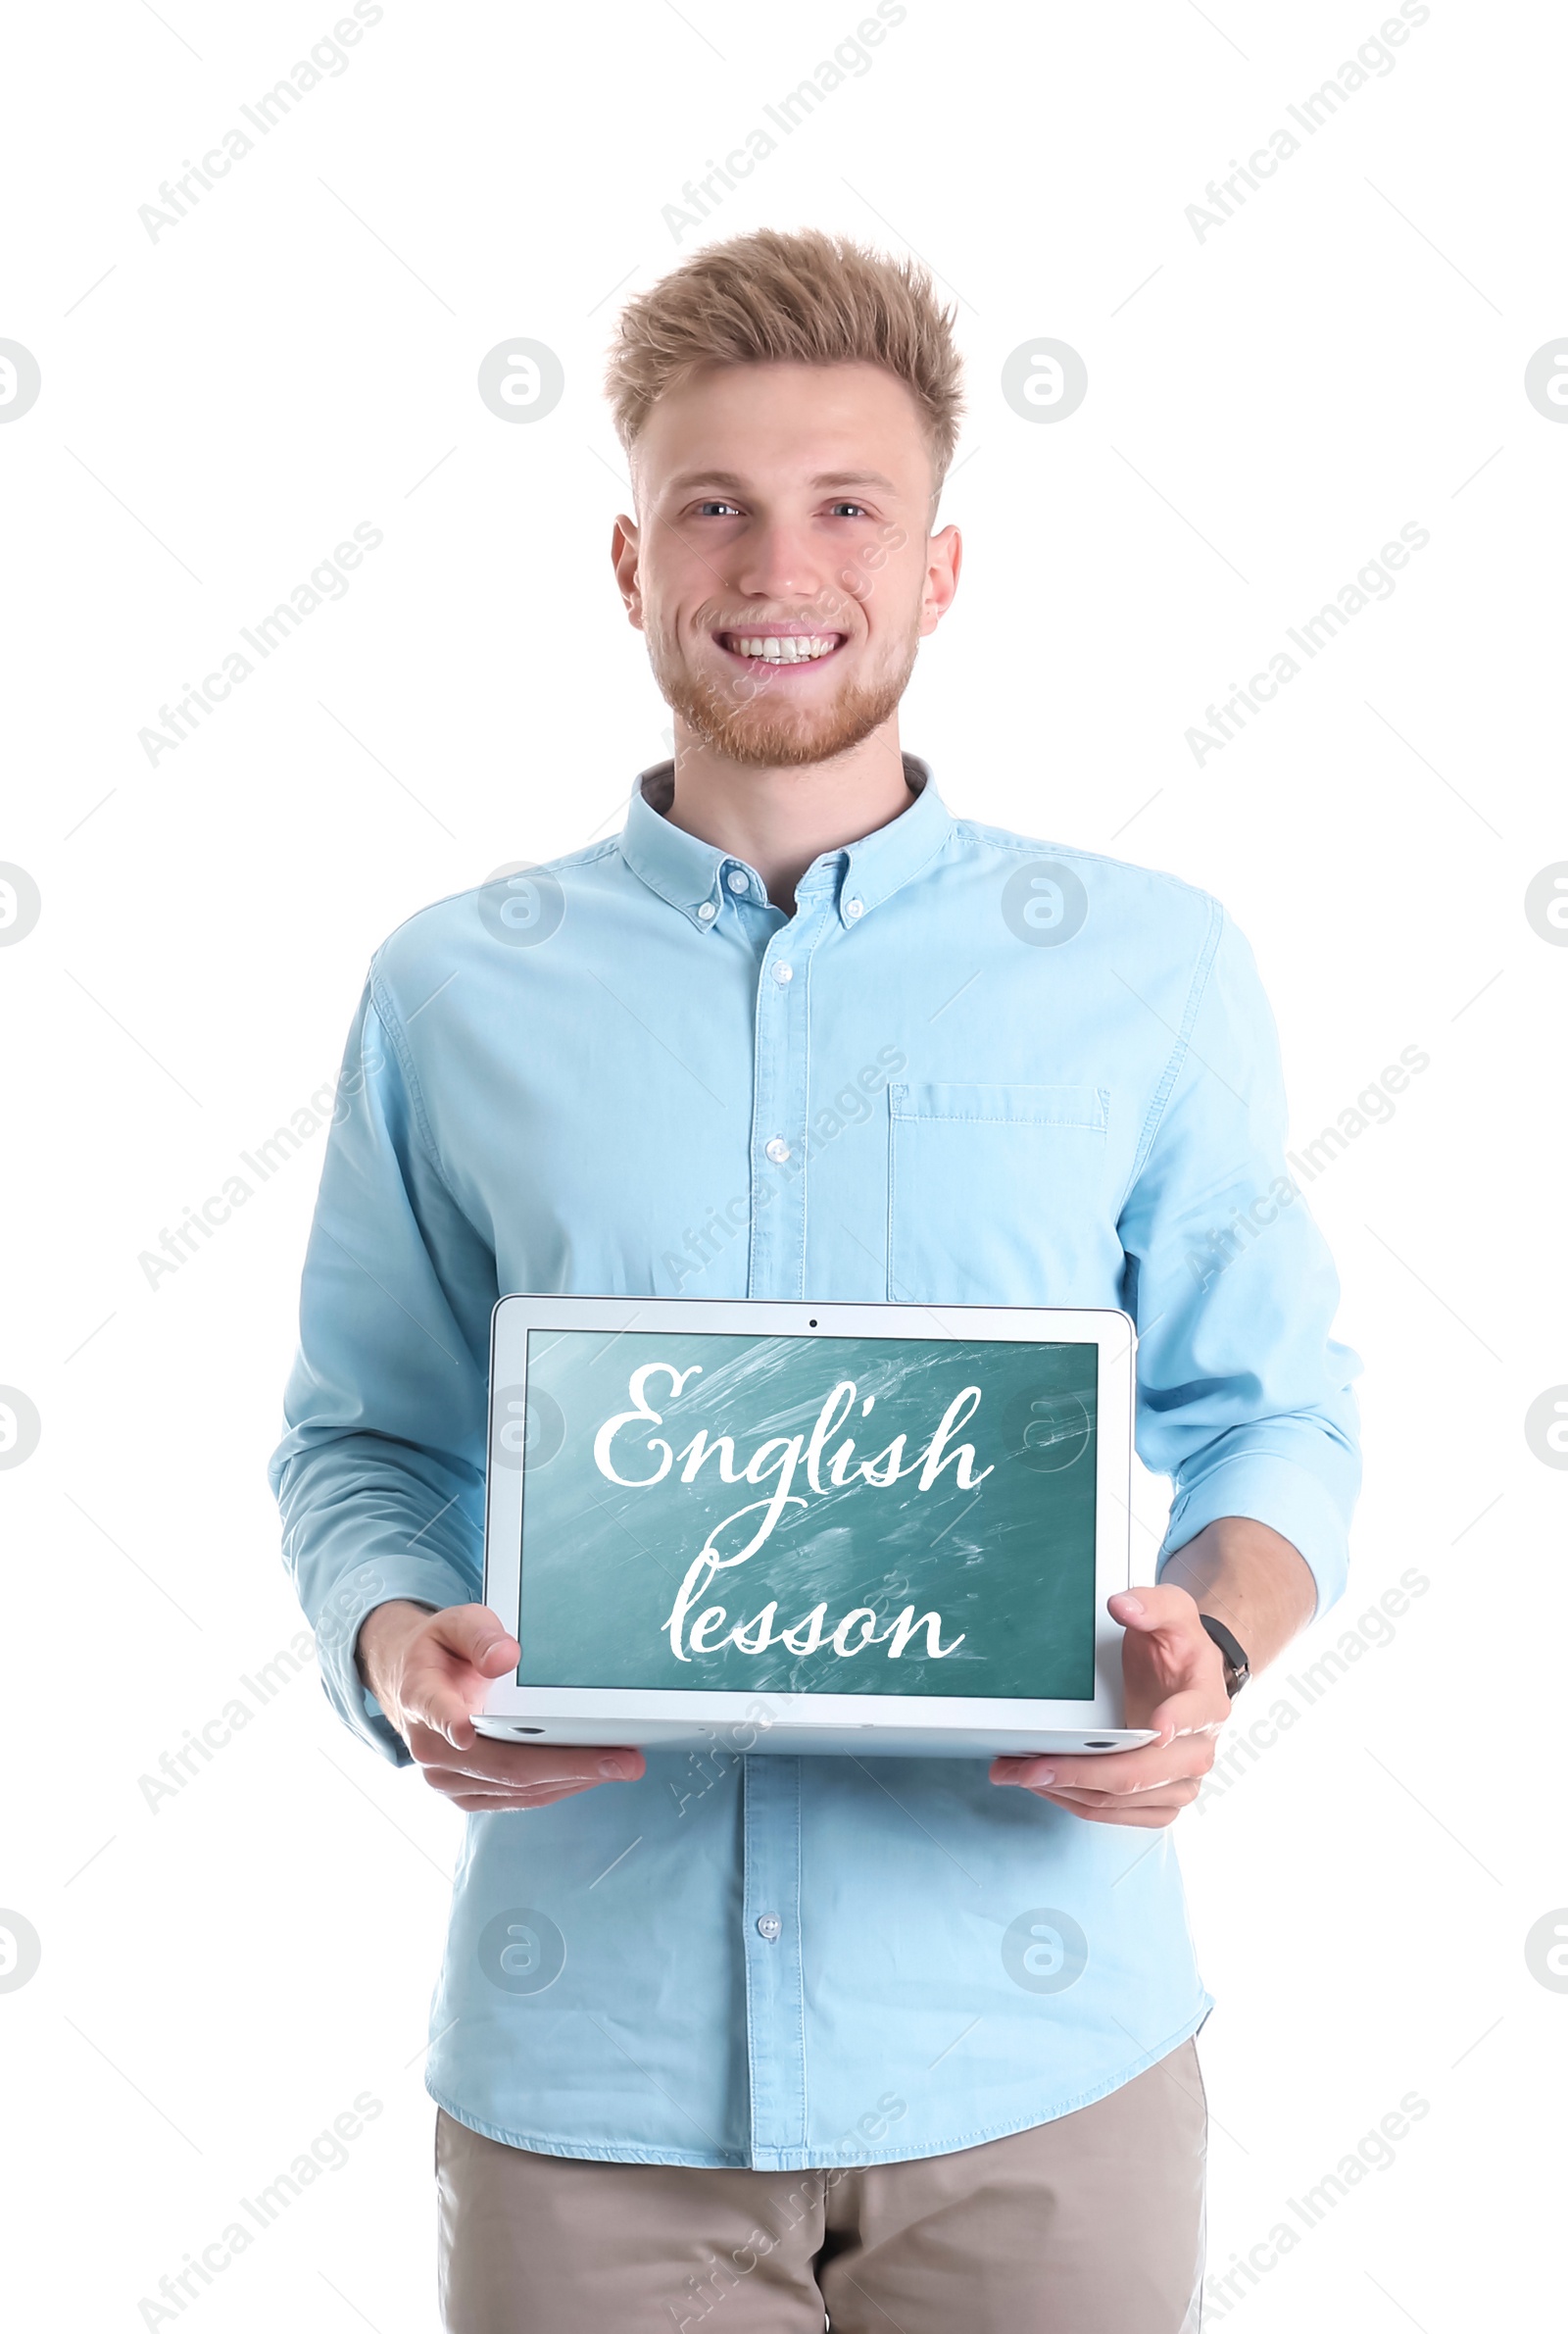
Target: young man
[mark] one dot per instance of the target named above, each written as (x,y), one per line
(758,2036)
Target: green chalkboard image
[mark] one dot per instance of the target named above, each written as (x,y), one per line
(784,1515)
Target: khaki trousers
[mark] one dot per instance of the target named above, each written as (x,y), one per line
(1090,2224)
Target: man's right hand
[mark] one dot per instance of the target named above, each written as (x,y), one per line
(428,1670)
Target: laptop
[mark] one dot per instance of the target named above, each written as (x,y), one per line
(881,1529)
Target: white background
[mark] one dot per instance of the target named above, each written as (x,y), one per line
(1267,407)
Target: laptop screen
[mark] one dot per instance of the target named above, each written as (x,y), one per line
(807,1514)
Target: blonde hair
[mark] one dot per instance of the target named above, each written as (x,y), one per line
(805,298)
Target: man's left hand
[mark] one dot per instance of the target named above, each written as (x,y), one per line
(1174,1680)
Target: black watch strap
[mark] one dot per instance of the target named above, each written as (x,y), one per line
(1238,1670)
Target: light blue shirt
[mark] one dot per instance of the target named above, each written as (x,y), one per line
(970,1068)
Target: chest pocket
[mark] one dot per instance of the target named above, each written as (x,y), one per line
(996,1196)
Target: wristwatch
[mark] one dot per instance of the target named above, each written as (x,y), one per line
(1238,1670)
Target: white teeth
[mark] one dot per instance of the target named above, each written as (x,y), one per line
(788,648)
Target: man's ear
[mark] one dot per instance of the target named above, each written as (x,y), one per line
(624,551)
(944,558)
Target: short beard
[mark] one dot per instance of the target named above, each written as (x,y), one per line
(759,736)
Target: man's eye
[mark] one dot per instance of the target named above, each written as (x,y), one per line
(849,510)
(706,509)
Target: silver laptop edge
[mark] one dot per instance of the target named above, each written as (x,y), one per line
(880,1725)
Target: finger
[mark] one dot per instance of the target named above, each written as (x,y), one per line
(457,1778)
(1163,1761)
(1116,1771)
(512,1765)
(465,1647)
(448,1693)
(478,1804)
(473,1633)
(1162,1610)
(506,1766)
(531,1790)
(452,1779)
(1198,1708)
(1179,1792)
(1135,1819)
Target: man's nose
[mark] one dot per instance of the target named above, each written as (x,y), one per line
(779,561)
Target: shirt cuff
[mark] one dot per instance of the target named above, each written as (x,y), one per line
(1279,1493)
(424,1579)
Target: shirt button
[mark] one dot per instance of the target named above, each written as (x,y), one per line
(783,972)
(738,879)
(778,1150)
(770,1925)
(855,906)
(707,911)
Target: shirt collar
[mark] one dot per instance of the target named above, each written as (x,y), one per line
(693,876)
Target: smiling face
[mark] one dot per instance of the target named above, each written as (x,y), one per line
(781,566)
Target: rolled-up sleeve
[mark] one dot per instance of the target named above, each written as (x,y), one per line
(1244,1398)
(380,1475)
